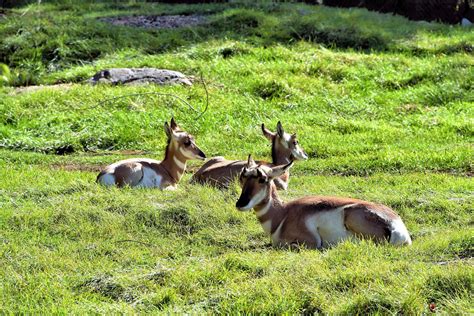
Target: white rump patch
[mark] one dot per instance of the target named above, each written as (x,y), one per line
(399,234)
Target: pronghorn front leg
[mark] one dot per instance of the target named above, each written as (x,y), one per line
(315,242)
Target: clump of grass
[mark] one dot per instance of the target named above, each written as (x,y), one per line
(239,21)
(372,305)
(178,220)
(107,287)
(270,89)
(442,286)
(339,37)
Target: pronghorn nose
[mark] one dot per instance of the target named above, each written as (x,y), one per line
(202,154)
(242,202)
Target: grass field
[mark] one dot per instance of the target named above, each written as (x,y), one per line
(383,107)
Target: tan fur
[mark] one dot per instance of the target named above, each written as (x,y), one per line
(126,174)
(316,221)
(220,172)
(146,172)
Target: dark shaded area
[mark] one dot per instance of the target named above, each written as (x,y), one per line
(189,1)
(19,3)
(13,3)
(107,287)
(446,11)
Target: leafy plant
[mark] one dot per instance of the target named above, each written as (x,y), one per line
(6,77)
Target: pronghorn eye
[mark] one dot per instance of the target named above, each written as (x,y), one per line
(262,180)
(187,143)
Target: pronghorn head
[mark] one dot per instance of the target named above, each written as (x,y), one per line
(182,142)
(284,144)
(256,181)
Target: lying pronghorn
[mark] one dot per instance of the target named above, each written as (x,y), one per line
(150,173)
(220,172)
(315,221)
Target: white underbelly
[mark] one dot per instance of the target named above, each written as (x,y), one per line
(150,179)
(330,226)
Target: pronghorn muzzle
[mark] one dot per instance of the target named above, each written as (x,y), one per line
(201,154)
(244,199)
(242,202)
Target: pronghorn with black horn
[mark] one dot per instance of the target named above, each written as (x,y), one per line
(150,173)
(221,172)
(314,221)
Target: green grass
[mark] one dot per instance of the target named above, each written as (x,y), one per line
(383,106)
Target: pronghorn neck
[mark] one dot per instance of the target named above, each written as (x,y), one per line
(270,212)
(280,154)
(174,162)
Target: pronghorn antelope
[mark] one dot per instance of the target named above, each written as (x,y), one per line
(150,173)
(220,172)
(315,221)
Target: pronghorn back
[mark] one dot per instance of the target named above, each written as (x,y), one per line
(220,172)
(316,221)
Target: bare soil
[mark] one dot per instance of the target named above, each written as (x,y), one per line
(158,22)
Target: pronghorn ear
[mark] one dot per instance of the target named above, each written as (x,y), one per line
(250,162)
(167,130)
(267,133)
(280,130)
(173,124)
(263,178)
(279,170)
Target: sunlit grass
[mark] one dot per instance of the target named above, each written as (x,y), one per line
(382,106)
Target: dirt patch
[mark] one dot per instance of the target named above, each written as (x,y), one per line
(129,152)
(61,86)
(157,22)
(77,167)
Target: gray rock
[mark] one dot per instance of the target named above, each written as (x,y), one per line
(133,76)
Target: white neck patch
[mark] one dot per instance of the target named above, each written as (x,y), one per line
(256,199)
(276,234)
(264,210)
(181,165)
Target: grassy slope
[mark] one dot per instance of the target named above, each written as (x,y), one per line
(383,107)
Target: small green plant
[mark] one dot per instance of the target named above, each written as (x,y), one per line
(5,75)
